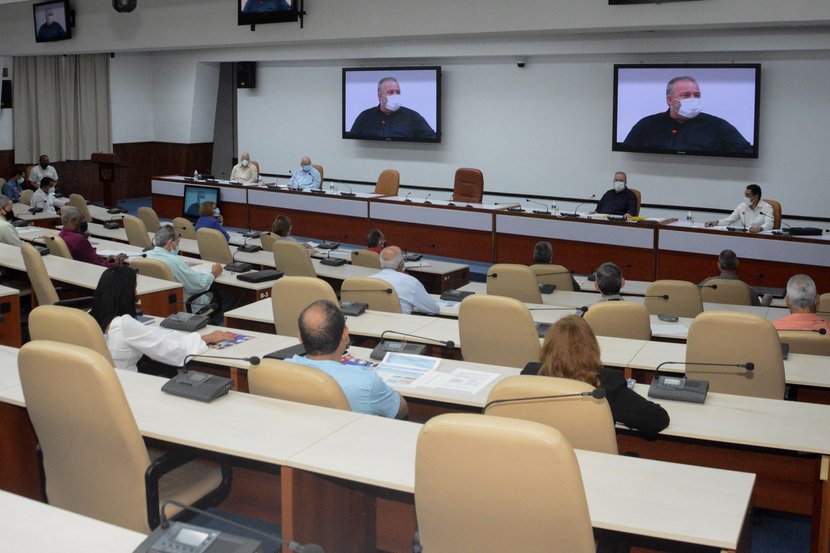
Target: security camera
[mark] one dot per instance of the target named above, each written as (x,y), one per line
(124,6)
(520,63)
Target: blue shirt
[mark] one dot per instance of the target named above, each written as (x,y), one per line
(365,390)
(193,282)
(209,221)
(11,190)
(305,180)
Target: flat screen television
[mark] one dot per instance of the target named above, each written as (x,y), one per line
(260,12)
(53,21)
(392,103)
(195,195)
(705,110)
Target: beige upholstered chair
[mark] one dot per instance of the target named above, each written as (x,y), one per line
(184,228)
(388,182)
(366,258)
(823,306)
(621,319)
(720,290)
(94,457)
(68,326)
(684,299)
(513,281)
(38,275)
(267,240)
(586,422)
(292,259)
(213,246)
(26,196)
(137,232)
(727,337)
(639,197)
(468,186)
(776,213)
(379,294)
(293,382)
(150,218)
(57,246)
(152,268)
(498,484)
(79,202)
(255,164)
(810,343)
(290,295)
(320,169)
(557,275)
(498,331)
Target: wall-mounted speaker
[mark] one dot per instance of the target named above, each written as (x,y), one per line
(246,74)
(124,6)
(6,95)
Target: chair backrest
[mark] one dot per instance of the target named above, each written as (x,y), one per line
(586,422)
(639,197)
(379,294)
(137,232)
(320,169)
(498,331)
(621,319)
(38,275)
(557,275)
(153,268)
(184,228)
(93,454)
(79,202)
(57,246)
(366,258)
(255,164)
(684,299)
(729,337)
(213,246)
(292,259)
(473,494)
(149,217)
(294,382)
(776,213)
(810,343)
(26,196)
(267,240)
(468,186)
(513,281)
(823,306)
(388,183)
(290,295)
(68,325)
(721,290)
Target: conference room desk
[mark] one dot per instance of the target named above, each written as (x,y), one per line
(10,332)
(28,525)
(42,219)
(101,215)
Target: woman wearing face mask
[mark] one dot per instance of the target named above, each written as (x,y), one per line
(619,200)
(307,177)
(44,197)
(211,217)
(245,170)
(13,186)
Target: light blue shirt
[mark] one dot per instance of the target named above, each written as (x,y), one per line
(305,180)
(365,390)
(193,282)
(410,291)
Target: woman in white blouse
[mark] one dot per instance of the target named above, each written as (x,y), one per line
(128,339)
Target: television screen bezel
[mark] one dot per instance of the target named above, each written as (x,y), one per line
(438,77)
(67,27)
(688,67)
(187,187)
(283,16)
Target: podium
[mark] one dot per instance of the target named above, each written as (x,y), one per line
(106,173)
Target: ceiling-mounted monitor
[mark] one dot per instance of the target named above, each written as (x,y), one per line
(260,12)
(53,21)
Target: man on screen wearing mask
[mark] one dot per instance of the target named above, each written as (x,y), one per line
(307,177)
(683,127)
(389,119)
(74,234)
(42,169)
(619,200)
(245,171)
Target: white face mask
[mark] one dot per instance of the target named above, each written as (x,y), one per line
(618,186)
(748,201)
(393,102)
(689,108)
(244,163)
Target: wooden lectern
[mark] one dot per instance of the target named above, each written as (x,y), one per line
(106,173)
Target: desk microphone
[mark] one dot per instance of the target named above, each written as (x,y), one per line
(201,386)
(576,210)
(253,360)
(596,393)
(712,286)
(545,212)
(821,331)
(245,247)
(384,290)
(238,266)
(112,224)
(406,198)
(680,388)
(348,194)
(426,198)
(582,309)
(402,347)
(661,296)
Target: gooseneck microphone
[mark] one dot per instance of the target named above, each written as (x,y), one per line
(596,393)
(583,309)
(821,331)
(661,296)
(385,347)
(384,290)
(245,247)
(576,209)
(202,386)
(406,198)
(545,212)
(253,360)
(712,286)
(348,194)
(426,198)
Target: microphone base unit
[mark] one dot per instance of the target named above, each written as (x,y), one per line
(328,246)
(287,353)
(542,329)
(239,267)
(187,322)
(249,248)
(383,348)
(260,276)
(455,295)
(353,308)
(333,261)
(180,537)
(678,388)
(348,194)
(547,288)
(199,386)
(569,214)
(413,257)
(541,212)
(252,234)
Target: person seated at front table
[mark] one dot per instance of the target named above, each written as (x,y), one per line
(8,234)
(325,336)
(410,291)
(245,171)
(13,186)
(543,255)
(74,234)
(728,266)
(609,282)
(128,340)
(307,177)
(619,200)
(375,240)
(801,299)
(211,217)
(571,350)
(44,197)
(754,214)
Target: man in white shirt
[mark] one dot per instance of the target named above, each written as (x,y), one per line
(410,291)
(307,177)
(43,169)
(753,214)
(245,171)
(44,196)
(8,234)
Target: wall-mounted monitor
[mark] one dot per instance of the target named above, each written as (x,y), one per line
(53,21)
(194,196)
(392,103)
(260,12)
(707,110)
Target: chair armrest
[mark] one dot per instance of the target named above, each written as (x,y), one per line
(85,301)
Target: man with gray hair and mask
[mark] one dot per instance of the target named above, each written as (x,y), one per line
(74,234)
(801,299)
(389,119)
(166,250)
(411,292)
(245,170)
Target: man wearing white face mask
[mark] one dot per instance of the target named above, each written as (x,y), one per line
(753,213)
(389,119)
(619,200)
(683,127)
(307,177)
(245,171)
